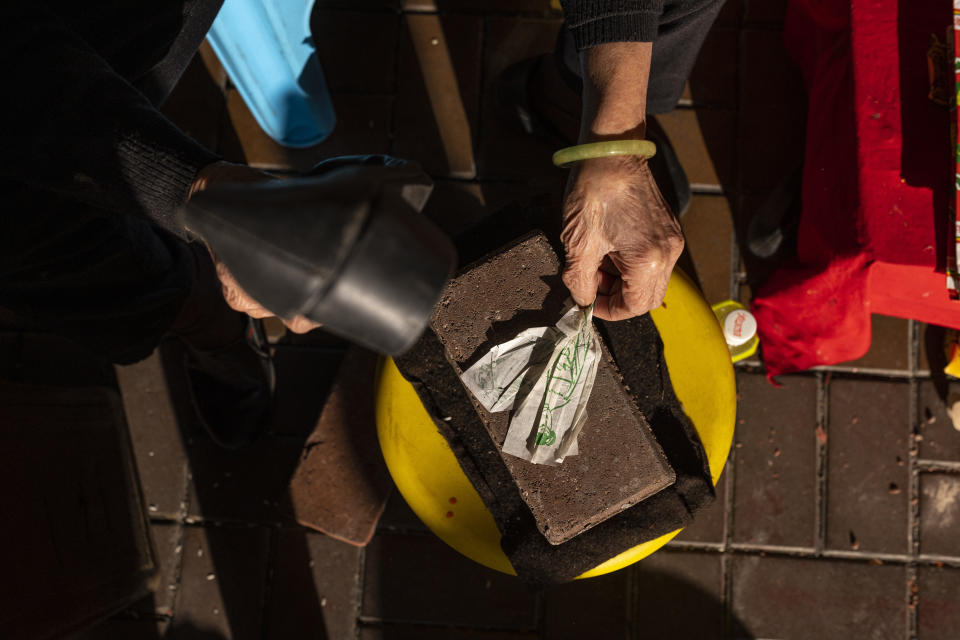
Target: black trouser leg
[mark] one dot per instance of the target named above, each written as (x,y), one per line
(111,281)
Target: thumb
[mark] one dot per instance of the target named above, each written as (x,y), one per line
(582,275)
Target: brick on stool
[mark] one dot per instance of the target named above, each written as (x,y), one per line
(620,462)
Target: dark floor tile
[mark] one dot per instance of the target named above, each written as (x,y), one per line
(314,589)
(221,588)
(867,482)
(668,586)
(304,379)
(708,524)
(353,64)
(828,600)
(938,616)
(941,441)
(249,485)
(505,150)
(156,436)
(419,578)
(889,345)
(708,229)
(455,205)
(438,95)
(776,461)
(168,551)
(363,126)
(397,516)
(418,632)
(196,104)
(75,539)
(767,12)
(704,143)
(713,80)
(590,608)
(940,515)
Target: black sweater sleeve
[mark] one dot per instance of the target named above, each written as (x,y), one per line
(72,125)
(594,22)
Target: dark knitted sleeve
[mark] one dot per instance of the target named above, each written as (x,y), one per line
(74,126)
(594,22)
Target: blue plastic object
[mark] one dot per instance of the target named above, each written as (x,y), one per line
(267,50)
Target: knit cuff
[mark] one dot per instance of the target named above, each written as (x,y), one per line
(605,21)
(160,177)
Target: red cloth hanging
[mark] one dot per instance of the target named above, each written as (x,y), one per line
(876,182)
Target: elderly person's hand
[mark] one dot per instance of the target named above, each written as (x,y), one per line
(620,237)
(233,293)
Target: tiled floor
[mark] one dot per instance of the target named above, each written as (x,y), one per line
(838,515)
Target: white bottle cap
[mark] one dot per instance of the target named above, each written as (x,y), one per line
(739,327)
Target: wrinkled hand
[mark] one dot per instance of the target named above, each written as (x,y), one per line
(620,238)
(233,293)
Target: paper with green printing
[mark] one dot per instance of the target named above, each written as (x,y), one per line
(545,376)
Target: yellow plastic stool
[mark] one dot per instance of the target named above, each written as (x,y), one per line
(428,475)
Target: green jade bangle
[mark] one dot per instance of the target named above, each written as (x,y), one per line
(565,157)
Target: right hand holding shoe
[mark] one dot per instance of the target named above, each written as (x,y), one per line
(233,293)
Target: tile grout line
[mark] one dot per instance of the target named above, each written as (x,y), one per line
(913,507)
(809,553)
(273,546)
(359,585)
(922,465)
(726,565)
(735,260)
(821,452)
(361,588)
(180,523)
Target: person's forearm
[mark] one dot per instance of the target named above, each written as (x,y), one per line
(615,77)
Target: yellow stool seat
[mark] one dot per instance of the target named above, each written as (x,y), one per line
(429,477)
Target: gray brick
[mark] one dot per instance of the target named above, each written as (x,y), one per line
(867,484)
(940,440)
(222,584)
(775,461)
(419,578)
(315,587)
(668,586)
(796,598)
(156,435)
(595,607)
(940,514)
(938,613)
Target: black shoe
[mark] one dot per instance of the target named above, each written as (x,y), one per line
(231,387)
(515,99)
(772,232)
